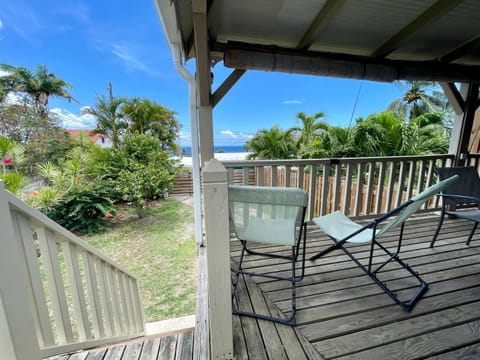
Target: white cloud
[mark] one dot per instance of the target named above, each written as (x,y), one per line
(229,137)
(292,102)
(1,24)
(71,121)
(130,61)
(229,133)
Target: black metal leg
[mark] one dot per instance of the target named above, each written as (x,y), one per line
(442,217)
(291,320)
(471,233)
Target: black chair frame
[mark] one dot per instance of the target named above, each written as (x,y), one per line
(301,241)
(372,272)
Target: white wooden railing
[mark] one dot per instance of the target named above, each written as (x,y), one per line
(357,186)
(58,293)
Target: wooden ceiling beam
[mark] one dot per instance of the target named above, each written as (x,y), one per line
(454,97)
(223,89)
(325,15)
(203,73)
(462,50)
(213,16)
(434,12)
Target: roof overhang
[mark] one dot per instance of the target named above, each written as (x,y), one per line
(382,41)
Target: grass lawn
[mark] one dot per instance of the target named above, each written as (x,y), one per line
(160,250)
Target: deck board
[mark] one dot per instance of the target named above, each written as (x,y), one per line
(342,314)
(345,315)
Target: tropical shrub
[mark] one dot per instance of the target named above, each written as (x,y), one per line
(45,198)
(147,171)
(83,207)
(14,182)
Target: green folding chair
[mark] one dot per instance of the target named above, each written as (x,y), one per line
(268,215)
(342,230)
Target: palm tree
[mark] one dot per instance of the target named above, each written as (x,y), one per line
(148,117)
(38,86)
(433,135)
(335,142)
(417,99)
(110,117)
(385,135)
(309,128)
(271,144)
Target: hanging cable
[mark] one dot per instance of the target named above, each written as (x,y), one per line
(356,102)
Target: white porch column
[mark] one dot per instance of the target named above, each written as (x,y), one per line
(463,122)
(215,192)
(18,339)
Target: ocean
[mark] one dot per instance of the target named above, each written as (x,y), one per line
(187,150)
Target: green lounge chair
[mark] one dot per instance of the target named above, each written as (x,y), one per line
(269,215)
(342,230)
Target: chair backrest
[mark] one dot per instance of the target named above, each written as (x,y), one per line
(408,208)
(267,214)
(468,185)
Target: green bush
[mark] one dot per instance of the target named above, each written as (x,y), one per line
(84,207)
(45,198)
(147,171)
(140,183)
(14,182)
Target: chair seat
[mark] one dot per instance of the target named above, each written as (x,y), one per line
(339,226)
(472,215)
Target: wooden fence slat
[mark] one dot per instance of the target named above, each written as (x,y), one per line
(288,175)
(348,188)
(358,193)
(337,187)
(260,175)
(401,179)
(390,186)
(369,194)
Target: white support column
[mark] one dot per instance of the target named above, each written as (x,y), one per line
(18,339)
(215,192)
(462,126)
(205,120)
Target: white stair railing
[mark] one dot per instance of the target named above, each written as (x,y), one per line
(59,294)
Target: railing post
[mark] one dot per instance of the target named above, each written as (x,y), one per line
(18,340)
(215,192)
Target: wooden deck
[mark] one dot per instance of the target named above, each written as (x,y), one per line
(342,314)
(173,347)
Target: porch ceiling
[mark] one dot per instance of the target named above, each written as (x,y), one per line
(371,39)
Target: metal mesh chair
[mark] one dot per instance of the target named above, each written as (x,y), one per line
(268,215)
(465,192)
(342,230)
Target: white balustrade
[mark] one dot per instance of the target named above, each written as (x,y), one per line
(59,294)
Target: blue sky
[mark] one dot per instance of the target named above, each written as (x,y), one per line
(90,43)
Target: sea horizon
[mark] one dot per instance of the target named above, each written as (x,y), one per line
(187,150)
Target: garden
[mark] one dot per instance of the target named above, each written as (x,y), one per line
(115,198)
